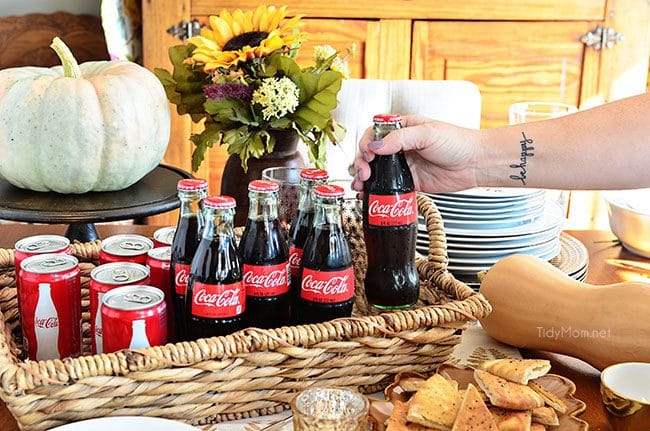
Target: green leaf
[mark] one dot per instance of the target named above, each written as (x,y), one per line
(202,141)
(184,86)
(169,84)
(284,64)
(317,98)
(230,110)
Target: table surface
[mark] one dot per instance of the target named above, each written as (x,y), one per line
(603,269)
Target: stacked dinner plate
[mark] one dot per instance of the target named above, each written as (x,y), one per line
(484,225)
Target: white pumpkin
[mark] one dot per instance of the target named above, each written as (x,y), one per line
(97,126)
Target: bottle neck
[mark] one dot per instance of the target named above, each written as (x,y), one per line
(306,203)
(218,223)
(191,202)
(262,206)
(327,213)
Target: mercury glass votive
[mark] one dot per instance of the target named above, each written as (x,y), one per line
(329,409)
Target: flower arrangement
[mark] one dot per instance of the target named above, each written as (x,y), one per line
(241,76)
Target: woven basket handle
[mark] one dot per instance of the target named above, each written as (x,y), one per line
(437,256)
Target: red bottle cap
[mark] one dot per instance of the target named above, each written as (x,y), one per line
(387,118)
(329,191)
(191,184)
(219,202)
(314,174)
(263,186)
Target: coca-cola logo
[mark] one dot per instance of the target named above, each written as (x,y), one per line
(47,322)
(182,277)
(294,258)
(399,208)
(333,286)
(227,298)
(277,278)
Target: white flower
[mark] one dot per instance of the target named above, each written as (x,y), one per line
(323,52)
(277,96)
(341,66)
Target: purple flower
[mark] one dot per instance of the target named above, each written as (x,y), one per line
(228,90)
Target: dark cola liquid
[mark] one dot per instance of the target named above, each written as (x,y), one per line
(186,240)
(391,279)
(297,237)
(264,243)
(215,262)
(324,250)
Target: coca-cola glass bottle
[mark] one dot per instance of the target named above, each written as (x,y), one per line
(390,226)
(309,179)
(326,273)
(191,193)
(216,299)
(265,256)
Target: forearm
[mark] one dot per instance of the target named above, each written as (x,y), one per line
(607,147)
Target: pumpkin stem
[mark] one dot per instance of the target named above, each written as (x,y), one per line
(70,66)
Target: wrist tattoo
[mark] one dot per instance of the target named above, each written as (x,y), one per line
(526,152)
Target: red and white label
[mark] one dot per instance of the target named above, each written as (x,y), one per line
(295,257)
(392,210)
(266,280)
(47,322)
(181,277)
(218,301)
(327,286)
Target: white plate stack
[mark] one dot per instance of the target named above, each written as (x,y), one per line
(484,225)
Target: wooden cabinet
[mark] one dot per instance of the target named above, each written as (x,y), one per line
(513,50)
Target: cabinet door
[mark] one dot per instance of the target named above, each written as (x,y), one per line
(509,61)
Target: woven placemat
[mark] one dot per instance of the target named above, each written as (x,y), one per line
(573,257)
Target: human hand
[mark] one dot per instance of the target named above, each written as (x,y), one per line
(442,157)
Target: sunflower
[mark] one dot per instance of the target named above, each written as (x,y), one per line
(242,36)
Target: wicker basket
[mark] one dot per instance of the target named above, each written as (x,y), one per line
(252,372)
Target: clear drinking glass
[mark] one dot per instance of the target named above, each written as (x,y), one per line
(289,194)
(330,409)
(527,112)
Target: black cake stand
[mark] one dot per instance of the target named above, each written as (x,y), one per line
(154,194)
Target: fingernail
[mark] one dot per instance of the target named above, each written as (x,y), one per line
(375,145)
(366,156)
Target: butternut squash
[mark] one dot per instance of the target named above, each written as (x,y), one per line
(536,306)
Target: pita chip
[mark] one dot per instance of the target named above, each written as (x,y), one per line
(511,421)
(435,404)
(473,414)
(397,420)
(503,393)
(549,398)
(537,427)
(545,416)
(517,370)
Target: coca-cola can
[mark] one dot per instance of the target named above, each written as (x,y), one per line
(164,236)
(39,244)
(50,302)
(108,277)
(159,262)
(133,317)
(125,248)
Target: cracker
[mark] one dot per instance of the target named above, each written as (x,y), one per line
(545,416)
(549,398)
(435,404)
(517,370)
(473,414)
(503,393)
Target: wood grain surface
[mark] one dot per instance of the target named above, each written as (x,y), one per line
(604,268)
(25,40)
